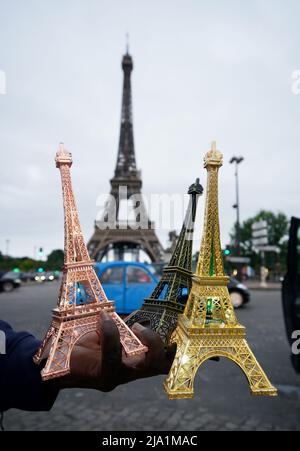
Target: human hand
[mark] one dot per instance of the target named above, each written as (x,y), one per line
(98,361)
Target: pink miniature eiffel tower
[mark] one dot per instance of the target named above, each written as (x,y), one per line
(71,320)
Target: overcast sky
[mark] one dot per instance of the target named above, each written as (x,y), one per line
(203,70)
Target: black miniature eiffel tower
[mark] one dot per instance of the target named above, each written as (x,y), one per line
(168,299)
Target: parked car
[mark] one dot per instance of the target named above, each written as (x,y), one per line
(126,283)
(27,276)
(49,276)
(239,293)
(40,277)
(45,276)
(9,281)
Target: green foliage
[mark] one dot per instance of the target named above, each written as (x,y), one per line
(278,225)
(54,262)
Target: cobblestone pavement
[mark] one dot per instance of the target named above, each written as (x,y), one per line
(222,400)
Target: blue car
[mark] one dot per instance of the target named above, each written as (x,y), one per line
(127,283)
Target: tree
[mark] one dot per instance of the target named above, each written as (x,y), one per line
(278,225)
(55,260)
(27,264)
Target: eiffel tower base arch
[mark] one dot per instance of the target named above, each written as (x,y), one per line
(194,347)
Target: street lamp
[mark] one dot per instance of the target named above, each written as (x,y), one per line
(7,247)
(237,161)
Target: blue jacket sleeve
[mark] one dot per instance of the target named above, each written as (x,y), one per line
(21,385)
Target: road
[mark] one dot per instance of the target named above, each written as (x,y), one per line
(222,400)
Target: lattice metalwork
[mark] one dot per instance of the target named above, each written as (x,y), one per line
(208,326)
(110,233)
(161,309)
(71,320)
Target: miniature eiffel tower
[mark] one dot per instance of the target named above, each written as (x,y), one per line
(162,308)
(71,319)
(208,327)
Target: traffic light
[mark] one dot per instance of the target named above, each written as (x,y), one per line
(41,270)
(16,270)
(227,251)
(40,252)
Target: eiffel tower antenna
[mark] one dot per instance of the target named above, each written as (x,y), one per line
(127,43)
(168,299)
(81,297)
(208,326)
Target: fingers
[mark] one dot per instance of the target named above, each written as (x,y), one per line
(156,360)
(150,339)
(111,351)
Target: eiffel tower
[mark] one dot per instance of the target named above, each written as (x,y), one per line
(111,233)
(208,327)
(167,301)
(71,319)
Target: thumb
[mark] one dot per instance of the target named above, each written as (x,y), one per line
(111,350)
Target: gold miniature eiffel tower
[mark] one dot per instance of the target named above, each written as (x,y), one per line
(72,319)
(208,327)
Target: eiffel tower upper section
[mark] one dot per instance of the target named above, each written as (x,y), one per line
(126,164)
(113,235)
